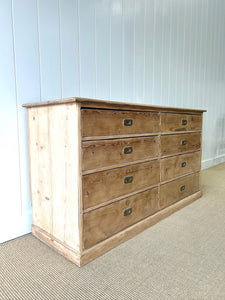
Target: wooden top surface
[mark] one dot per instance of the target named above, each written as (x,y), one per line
(93,103)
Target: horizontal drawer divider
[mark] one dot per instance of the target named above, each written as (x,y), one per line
(123,136)
(86,172)
(179,153)
(179,177)
(120,198)
(179,132)
(117,136)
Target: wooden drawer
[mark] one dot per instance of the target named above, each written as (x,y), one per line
(102,223)
(178,189)
(97,154)
(96,122)
(180,122)
(179,165)
(178,143)
(103,186)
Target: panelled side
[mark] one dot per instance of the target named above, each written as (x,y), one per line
(54,163)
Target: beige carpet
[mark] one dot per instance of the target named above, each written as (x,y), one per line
(182,257)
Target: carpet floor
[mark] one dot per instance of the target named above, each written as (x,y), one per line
(181,257)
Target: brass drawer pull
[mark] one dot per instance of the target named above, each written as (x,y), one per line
(128,179)
(183,164)
(128,122)
(184,122)
(182,188)
(183,142)
(127,150)
(127,212)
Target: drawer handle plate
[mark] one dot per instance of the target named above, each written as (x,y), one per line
(184,122)
(127,122)
(182,188)
(183,164)
(127,212)
(127,150)
(128,179)
(183,142)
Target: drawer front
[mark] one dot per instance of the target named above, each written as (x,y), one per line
(104,153)
(103,186)
(178,143)
(102,223)
(179,165)
(96,122)
(180,122)
(178,189)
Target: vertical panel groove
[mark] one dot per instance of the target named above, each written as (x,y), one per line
(17,113)
(37,1)
(60,49)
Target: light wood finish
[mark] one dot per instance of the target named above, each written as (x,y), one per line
(102,186)
(178,189)
(97,122)
(93,103)
(108,244)
(54,171)
(78,166)
(110,152)
(179,165)
(180,122)
(172,144)
(106,221)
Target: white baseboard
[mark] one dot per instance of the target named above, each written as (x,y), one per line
(208,163)
(13,226)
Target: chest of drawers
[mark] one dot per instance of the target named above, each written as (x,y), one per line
(101,172)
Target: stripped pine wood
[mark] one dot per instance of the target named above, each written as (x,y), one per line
(108,220)
(179,165)
(180,122)
(110,152)
(89,193)
(178,189)
(102,186)
(98,122)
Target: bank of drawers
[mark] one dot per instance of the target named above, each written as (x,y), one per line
(135,164)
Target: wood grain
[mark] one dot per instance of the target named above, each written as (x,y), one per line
(106,245)
(98,154)
(179,165)
(103,186)
(97,122)
(172,144)
(173,122)
(106,221)
(172,192)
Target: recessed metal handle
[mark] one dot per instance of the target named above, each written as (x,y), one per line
(128,179)
(183,142)
(183,164)
(184,122)
(128,122)
(127,212)
(182,188)
(127,150)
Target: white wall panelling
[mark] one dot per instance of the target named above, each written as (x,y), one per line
(165,52)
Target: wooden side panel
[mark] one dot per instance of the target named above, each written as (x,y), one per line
(54,170)
(65,172)
(96,122)
(98,154)
(179,165)
(178,143)
(102,186)
(179,189)
(44,170)
(33,143)
(180,122)
(106,221)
